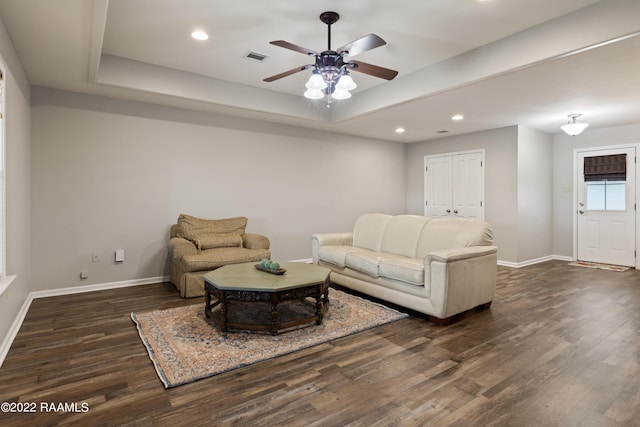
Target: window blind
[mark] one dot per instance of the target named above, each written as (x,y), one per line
(606,168)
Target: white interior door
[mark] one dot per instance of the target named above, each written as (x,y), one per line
(454,185)
(468,185)
(438,186)
(606,226)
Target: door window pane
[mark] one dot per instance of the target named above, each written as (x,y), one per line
(595,196)
(606,195)
(615,193)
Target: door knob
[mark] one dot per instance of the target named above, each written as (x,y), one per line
(455,211)
(581,211)
(448,210)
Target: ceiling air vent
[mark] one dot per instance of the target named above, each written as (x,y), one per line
(255,56)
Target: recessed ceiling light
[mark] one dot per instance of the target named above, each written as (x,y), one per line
(399,130)
(199,35)
(457,117)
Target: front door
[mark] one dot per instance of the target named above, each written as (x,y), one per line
(606,226)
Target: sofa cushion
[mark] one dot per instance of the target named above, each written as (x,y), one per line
(191,227)
(213,258)
(365,262)
(221,240)
(402,233)
(404,269)
(337,255)
(368,231)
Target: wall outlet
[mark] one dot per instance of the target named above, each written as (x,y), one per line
(95,257)
(119,257)
(84,274)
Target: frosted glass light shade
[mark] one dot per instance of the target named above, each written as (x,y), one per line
(574,129)
(314,94)
(340,94)
(346,83)
(316,82)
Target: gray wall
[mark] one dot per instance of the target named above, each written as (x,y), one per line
(501,180)
(18,171)
(563,170)
(535,200)
(113,175)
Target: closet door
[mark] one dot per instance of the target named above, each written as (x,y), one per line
(468,185)
(454,185)
(438,186)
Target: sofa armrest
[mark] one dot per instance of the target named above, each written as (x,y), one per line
(333,239)
(255,241)
(329,239)
(460,279)
(458,254)
(179,247)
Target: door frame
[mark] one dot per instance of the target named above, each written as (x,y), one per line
(576,153)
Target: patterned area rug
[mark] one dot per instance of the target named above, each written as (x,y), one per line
(608,267)
(185,346)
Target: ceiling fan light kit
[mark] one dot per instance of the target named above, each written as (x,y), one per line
(330,74)
(572,128)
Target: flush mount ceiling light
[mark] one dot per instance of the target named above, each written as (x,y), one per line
(400,130)
(572,128)
(330,75)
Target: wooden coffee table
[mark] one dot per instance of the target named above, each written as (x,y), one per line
(243,283)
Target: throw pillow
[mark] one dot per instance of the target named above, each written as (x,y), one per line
(221,240)
(190,227)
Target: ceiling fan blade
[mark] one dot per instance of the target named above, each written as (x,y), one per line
(292,46)
(288,73)
(363,44)
(373,70)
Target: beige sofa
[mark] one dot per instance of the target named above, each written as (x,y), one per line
(437,266)
(197,246)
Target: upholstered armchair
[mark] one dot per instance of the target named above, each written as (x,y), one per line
(197,246)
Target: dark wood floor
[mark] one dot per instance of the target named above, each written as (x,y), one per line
(560,346)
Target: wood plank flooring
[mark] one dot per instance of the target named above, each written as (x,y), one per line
(560,346)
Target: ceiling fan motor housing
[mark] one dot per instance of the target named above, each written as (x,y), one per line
(330,64)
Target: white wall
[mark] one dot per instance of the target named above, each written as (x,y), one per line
(535,201)
(18,170)
(111,174)
(563,164)
(501,180)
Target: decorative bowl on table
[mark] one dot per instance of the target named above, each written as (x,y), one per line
(272,267)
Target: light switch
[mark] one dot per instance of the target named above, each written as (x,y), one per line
(120,255)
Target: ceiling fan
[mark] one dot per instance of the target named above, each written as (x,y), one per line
(330,71)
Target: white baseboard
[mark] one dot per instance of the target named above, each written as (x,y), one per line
(534,261)
(17,323)
(98,287)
